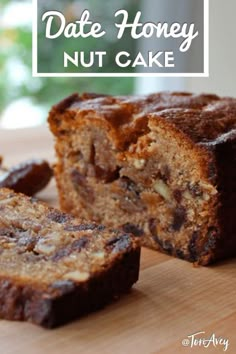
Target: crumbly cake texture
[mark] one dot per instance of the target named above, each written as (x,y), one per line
(161,166)
(54,268)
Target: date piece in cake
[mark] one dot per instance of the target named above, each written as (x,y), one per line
(28,177)
(161,166)
(55,268)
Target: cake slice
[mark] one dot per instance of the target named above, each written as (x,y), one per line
(161,166)
(54,268)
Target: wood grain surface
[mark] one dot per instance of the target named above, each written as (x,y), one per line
(171,301)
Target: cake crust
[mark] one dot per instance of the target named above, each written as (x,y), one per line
(204,118)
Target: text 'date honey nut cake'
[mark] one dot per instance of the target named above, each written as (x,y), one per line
(161,166)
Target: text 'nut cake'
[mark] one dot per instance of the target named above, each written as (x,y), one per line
(53,268)
(161,166)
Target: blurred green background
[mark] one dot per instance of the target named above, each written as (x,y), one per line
(19,91)
(25,101)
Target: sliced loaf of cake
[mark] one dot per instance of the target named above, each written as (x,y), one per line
(161,166)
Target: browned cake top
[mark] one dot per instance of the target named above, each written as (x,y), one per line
(204,118)
(44,247)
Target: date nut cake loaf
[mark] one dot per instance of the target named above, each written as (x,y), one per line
(161,166)
(53,268)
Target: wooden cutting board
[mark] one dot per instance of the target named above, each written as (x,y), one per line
(171,301)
